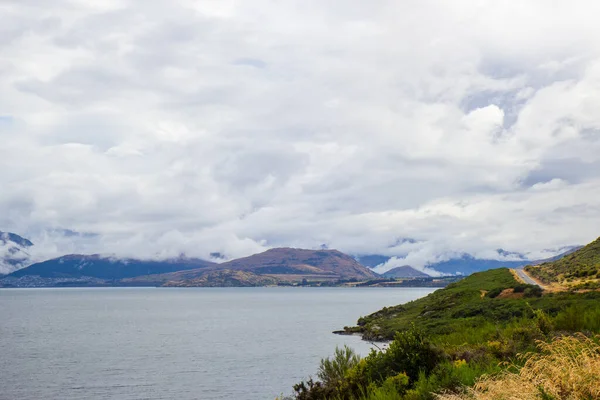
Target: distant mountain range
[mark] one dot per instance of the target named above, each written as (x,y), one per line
(271,266)
(274,265)
(13,252)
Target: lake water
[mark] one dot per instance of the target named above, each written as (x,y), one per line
(184,343)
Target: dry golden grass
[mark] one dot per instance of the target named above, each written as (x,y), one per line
(566,369)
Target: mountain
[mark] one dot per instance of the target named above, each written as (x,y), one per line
(288,261)
(577,270)
(405,271)
(13,252)
(96,266)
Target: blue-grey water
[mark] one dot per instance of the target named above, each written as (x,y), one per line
(184,343)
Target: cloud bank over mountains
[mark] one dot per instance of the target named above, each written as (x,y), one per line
(228,126)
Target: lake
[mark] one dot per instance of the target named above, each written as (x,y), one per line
(180,343)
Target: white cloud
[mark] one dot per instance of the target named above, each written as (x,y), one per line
(196,127)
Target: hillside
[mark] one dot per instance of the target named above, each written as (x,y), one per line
(480,326)
(577,270)
(479,299)
(405,271)
(96,266)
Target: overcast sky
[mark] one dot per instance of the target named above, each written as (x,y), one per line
(421,128)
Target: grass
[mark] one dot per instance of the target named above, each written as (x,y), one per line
(566,368)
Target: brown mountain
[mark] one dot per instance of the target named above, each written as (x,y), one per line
(288,261)
(284,264)
(406,271)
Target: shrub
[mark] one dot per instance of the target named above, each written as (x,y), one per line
(520,288)
(311,390)
(332,370)
(410,353)
(533,291)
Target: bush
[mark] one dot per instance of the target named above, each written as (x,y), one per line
(533,291)
(520,288)
(333,370)
(410,353)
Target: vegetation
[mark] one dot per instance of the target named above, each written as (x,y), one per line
(469,335)
(482,299)
(566,368)
(578,270)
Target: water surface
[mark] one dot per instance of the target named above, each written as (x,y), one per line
(180,343)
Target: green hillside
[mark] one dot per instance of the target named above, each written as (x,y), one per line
(578,270)
(485,299)
(452,337)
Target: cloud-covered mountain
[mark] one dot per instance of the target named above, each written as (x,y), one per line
(14,252)
(465,264)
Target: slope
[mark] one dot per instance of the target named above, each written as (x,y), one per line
(484,299)
(577,270)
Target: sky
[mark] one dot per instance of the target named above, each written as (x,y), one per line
(419,129)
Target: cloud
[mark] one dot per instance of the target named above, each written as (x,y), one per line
(186,127)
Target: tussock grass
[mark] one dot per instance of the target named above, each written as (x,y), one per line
(567,368)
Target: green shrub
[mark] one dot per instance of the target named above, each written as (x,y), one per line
(494,293)
(520,288)
(333,370)
(410,353)
(533,291)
